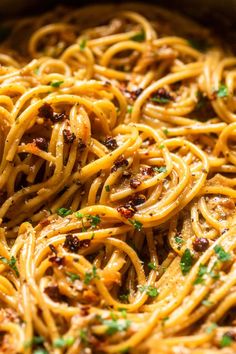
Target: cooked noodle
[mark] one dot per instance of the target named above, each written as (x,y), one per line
(117,185)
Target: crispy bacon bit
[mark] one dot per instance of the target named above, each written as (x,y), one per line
(111,143)
(200,244)
(60,261)
(46,111)
(135,183)
(138,199)
(85,243)
(163,94)
(53,248)
(81,144)
(54,293)
(120,162)
(127,211)
(84,310)
(72,243)
(68,136)
(133,94)
(58,117)
(41,143)
(147,171)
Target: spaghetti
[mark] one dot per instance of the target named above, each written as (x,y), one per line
(117,182)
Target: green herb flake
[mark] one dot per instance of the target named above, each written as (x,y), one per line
(149,289)
(90,275)
(94,220)
(79,215)
(114,326)
(83,44)
(211,328)
(73,276)
(107,188)
(137,224)
(40,351)
(225,341)
(36,71)
(11,263)
(161,146)
(179,240)
(186,262)
(63,342)
(152,266)
(207,303)
(124,297)
(129,109)
(139,37)
(200,275)
(83,334)
(222,91)
(165,131)
(123,312)
(56,84)
(160,169)
(161,100)
(222,255)
(64,212)
(35,340)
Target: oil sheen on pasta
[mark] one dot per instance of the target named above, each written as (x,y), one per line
(117,185)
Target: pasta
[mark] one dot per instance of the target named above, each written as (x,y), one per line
(117,184)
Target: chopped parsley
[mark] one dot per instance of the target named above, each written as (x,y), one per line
(123,312)
(64,212)
(200,275)
(211,328)
(186,262)
(63,342)
(139,37)
(159,169)
(56,84)
(124,297)
(222,91)
(11,263)
(83,44)
(73,276)
(222,255)
(80,216)
(179,240)
(165,131)
(161,146)
(129,109)
(90,275)
(162,100)
(94,220)
(225,341)
(137,224)
(35,340)
(83,334)
(152,266)
(114,326)
(149,289)
(107,188)
(207,303)
(40,351)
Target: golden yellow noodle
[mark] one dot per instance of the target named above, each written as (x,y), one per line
(117,184)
